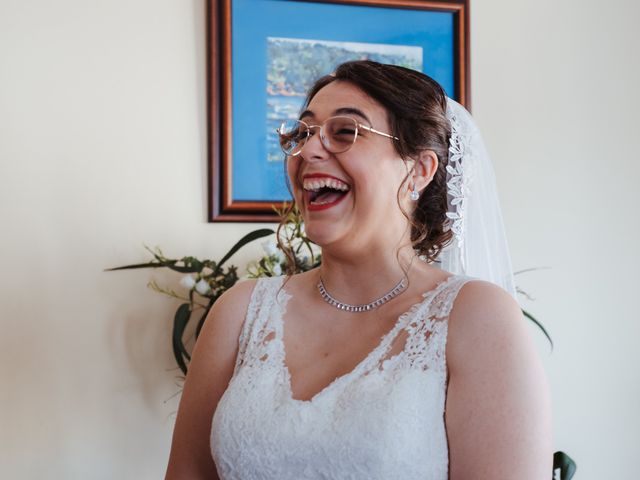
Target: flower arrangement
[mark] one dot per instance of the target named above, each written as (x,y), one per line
(206,280)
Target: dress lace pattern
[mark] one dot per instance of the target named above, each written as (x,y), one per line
(382,420)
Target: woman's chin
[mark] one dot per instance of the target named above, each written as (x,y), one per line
(322,233)
(320,237)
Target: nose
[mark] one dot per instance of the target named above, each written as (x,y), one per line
(314,150)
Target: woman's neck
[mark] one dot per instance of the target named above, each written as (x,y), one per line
(357,279)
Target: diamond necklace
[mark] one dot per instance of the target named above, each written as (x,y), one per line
(394,292)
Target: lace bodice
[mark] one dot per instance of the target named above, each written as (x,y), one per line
(382,420)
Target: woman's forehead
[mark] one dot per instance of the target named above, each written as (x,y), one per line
(339,97)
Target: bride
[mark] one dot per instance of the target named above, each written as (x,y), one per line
(404,355)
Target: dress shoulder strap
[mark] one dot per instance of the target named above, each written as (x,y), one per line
(264,295)
(428,329)
(443,301)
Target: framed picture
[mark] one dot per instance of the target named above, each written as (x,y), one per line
(265,54)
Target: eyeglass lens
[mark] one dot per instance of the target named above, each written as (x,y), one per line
(336,133)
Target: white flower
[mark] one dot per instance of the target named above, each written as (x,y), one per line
(270,247)
(187,282)
(277,269)
(202,287)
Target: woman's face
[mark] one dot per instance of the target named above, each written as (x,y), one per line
(360,207)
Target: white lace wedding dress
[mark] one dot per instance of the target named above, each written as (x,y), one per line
(382,420)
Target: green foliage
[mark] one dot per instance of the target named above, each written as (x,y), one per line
(207,280)
(293,254)
(211,280)
(565,464)
(539,325)
(527,314)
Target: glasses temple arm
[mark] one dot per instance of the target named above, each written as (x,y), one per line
(377,131)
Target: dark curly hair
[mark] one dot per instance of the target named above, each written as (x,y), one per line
(416,109)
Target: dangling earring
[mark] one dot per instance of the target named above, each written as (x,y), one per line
(414,195)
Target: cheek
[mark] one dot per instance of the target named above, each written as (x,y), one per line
(292,168)
(381,185)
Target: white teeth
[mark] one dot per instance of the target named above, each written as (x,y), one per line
(318,183)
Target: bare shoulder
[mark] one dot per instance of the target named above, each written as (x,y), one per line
(210,371)
(483,314)
(484,297)
(498,412)
(236,299)
(227,315)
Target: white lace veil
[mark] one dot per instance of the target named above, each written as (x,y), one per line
(479,247)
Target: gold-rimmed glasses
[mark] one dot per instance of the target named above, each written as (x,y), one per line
(337,134)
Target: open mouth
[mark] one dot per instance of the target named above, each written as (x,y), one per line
(324,191)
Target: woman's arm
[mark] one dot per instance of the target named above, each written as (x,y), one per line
(498,413)
(210,370)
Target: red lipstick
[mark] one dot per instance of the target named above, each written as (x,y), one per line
(315,207)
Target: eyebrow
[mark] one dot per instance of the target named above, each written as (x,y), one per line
(340,111)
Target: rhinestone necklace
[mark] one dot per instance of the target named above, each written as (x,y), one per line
(394,292)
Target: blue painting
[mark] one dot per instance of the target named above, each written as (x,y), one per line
(275,60)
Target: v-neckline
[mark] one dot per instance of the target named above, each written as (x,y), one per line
(403,318)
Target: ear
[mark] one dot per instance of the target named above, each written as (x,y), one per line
(424,168)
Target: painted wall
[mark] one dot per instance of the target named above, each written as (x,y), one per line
(102,149)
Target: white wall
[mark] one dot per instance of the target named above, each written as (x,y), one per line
(556,93)
(102,149)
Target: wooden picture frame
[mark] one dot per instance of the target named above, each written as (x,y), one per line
(248,40)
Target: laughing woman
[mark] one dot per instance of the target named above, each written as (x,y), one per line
(404,355)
